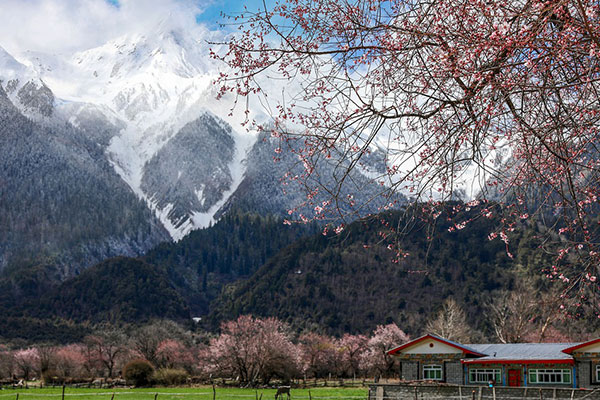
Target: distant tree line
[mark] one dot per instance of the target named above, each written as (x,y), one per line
(249,350)
(255,351)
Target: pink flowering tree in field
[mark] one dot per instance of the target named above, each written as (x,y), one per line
(173,353)
(375,358)
(105,350)
(320,355)
(27,362)
(70,360)
(253,350)
(466,98)
(352,348)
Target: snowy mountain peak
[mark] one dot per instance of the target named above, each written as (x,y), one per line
(24,87)
(154,90)
(9,66)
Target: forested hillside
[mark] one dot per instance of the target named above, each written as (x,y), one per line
(351,283)
(247,264)
(174,280)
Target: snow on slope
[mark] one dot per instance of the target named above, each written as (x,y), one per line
(24,87)
(9,67)
(153,85)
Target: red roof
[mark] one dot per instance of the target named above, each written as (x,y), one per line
(580,345)
(459,346)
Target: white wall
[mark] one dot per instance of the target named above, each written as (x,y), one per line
(425,347)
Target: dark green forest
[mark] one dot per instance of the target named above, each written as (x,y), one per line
(248,264)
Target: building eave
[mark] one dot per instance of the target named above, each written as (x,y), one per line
(516,361)
(571,349)
(464,349)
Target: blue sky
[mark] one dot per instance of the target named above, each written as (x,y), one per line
(211,14)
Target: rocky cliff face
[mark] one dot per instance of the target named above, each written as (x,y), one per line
(190,174)
(267,186)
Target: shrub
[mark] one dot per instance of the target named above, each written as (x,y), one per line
(170,377)
(138,372)
(52,377)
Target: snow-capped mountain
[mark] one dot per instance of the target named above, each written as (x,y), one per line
(24,87)
(134,136)
(61,202)
(156,90)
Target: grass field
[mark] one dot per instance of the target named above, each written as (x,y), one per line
(201,393)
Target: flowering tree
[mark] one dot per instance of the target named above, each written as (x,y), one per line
(106,348)
(320,355)
(487,99)
(253,350)
(147,340)
(27,362)
(384,338)
(70,360)
(352,348)
(173,353)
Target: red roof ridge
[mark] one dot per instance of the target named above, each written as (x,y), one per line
(571,349)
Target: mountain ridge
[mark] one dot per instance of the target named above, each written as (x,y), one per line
(141,109)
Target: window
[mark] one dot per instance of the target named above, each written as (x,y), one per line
(485,375)
(549,376)
(433,372)
(598,373)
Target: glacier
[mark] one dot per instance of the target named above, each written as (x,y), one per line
(148,87)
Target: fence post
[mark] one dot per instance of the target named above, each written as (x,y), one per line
(309,395)
(494,392)
(113,396)
(541,394)
(17,396)
(63,392)
(416,394)
(214,392)
(473,397)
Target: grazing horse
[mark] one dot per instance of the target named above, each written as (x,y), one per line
(281,390)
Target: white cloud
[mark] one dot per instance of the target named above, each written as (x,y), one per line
(66,26)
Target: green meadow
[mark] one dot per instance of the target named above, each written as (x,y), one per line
(183,393)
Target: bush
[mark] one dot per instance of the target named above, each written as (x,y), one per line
(52,377)
(170,377)
(138,372)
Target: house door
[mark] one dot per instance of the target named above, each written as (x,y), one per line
(514,377)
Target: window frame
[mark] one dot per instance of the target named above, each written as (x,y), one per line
(433,368)
(597,373)
(495,372)
(549,373)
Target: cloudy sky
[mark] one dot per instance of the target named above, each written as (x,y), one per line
(65,26)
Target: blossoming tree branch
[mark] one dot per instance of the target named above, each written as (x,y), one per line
(488,101)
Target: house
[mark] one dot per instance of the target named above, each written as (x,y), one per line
(430,357)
